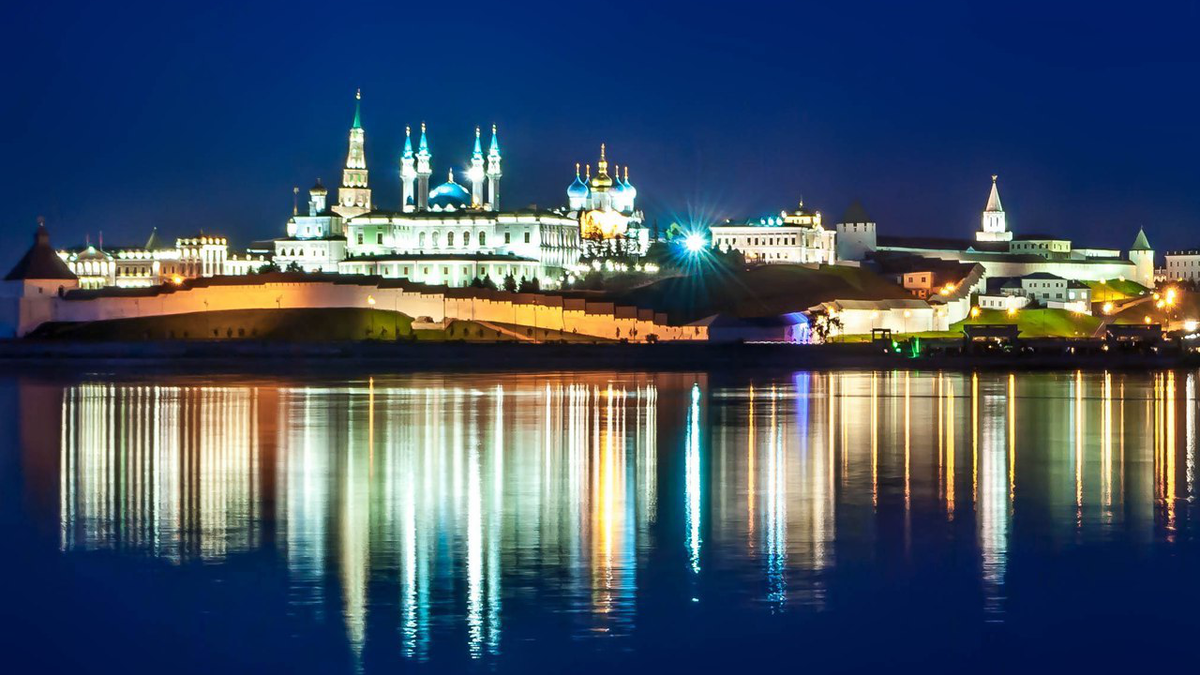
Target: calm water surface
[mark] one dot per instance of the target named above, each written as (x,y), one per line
(819,521)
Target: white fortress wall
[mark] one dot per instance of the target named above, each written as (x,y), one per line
(592,319)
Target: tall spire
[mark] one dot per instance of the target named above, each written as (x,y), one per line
(477,153)
(408,151)
(354,195)
(424,171)
(494,148)
(993,203)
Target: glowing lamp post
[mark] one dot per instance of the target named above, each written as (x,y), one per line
(371,305)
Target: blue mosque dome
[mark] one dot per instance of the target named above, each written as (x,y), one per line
(578,189)
(450,195)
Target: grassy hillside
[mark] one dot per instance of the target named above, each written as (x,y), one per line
(296,325)
(1038,322)
(1116,290)
(763,291)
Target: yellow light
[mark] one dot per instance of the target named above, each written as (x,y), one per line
(974,312)
(1147,319)
(1012,311)
(1159,304)
(371,300)
(177,280)
(1108,308)
(1190,325)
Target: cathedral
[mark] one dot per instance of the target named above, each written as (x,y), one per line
(449,234)
(605,207)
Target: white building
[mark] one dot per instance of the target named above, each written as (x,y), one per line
(148,265)
(438,235)
(796,237)
(1054,292)
(1003,301)
(1182,265)
(994,225)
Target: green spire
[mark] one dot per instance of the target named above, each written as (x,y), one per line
(1141,243)
(357,109)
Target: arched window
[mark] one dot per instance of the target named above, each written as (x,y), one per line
(421,240)
(450,239)
(434,239)
(467,239)
(482,239)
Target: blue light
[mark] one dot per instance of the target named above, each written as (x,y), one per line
(694,243)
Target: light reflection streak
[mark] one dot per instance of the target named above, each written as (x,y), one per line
(692,481)
(456,484)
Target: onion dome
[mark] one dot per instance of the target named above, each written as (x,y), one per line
(602,181)
(449,195)
(578,189)
(318,189)
(630,191)
(618,189)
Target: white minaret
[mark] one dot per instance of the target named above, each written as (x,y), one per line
(424,171)
(408,174)
(354,196)
(994,226)
(475,174)
(493,172)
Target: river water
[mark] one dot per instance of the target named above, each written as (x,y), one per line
(580,522)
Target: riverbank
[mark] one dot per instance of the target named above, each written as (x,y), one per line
(271,356)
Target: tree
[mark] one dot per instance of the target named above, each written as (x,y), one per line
(476,283)
(488,283)
(529,286)
(267,268)
(294,267)
(510,283)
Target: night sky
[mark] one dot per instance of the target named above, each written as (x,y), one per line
(118,117)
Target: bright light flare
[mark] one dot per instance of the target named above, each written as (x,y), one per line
(1108,308)
(694,243)
(975,312)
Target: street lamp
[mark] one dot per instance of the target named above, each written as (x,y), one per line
(371,312)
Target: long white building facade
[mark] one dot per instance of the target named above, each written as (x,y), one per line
(449,234)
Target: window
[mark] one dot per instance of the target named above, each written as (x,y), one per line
(526,237)
(449,240)
(466,238)
(379,238)
(360,240)
(483,239)
(421,240)
(433,238)
(508,237)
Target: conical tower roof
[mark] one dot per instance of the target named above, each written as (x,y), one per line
(856,214)
(40,261)
(994,198)
(1141,243)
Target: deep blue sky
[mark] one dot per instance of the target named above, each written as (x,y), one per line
(121,116)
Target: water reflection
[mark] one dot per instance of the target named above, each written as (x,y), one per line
(444,505)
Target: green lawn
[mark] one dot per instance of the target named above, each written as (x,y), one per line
(1038,322)
(1116,290)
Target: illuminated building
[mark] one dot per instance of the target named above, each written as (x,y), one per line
(449,234)
(796,237)
(606,208)
(150,264)
(1182,265)
(999,250)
